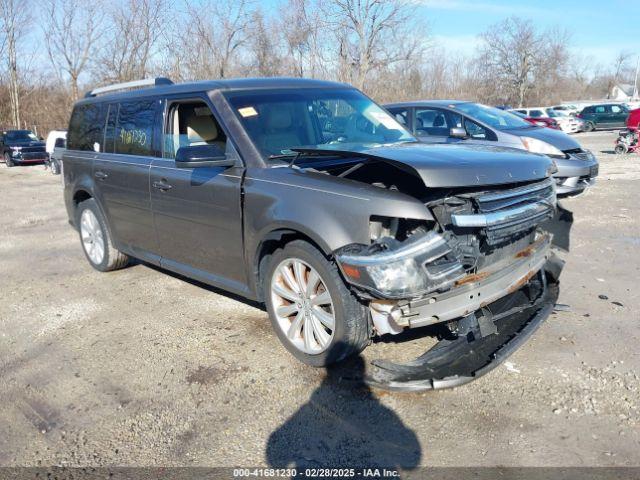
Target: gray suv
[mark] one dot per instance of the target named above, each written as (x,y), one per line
(455,121)
(311,198)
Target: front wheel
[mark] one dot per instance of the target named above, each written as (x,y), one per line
(620,149)
(8,161)
(312,311)
(96,240)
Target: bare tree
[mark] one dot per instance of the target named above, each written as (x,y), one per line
(511,52)
(371,34)
(219,30)
(72,29)
(15,19)
(264,47)
(127,49)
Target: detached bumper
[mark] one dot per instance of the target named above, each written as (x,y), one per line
(484,339)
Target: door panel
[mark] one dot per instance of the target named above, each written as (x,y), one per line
(198,218)
(123,185)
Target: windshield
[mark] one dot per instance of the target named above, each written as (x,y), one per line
(20,136)
(494,117)
(279,120)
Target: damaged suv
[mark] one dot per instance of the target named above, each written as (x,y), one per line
(309,197)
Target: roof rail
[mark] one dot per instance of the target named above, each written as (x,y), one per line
(147,82)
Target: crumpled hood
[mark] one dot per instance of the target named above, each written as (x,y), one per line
(449,165)
(557,138)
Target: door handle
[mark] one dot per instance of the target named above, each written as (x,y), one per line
(100,175)
(162,185)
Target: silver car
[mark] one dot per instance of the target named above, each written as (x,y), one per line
(454,121)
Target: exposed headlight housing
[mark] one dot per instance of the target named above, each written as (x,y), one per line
(538,146)
(419,265)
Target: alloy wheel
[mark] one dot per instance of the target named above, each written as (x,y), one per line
(92,236)
(302,306)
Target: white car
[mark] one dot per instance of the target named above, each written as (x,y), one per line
(56,141)
(567,123)
(570,109)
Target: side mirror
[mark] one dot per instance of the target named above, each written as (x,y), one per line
(457,132)
(202,156)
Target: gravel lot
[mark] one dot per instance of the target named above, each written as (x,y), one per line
(138,367)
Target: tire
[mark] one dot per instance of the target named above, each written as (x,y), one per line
(351,327)
(55,168)
(95,233)
(8,161)
(590,127)
(620,149)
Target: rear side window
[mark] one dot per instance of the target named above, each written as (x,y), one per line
(86,128)
(600,109)
(134,128)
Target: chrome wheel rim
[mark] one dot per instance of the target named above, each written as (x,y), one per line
(92,237)
(302,306)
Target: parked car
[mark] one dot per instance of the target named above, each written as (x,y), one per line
(540,122)
(56,142)
(20,147)
(567,123)
(452,121)
(608,115)
(633,120)
(309,197)
(569,109)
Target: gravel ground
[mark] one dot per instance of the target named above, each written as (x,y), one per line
(141,368)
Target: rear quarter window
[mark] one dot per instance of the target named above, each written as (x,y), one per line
(86,128)
(134,128)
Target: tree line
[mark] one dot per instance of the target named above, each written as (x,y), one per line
(53,50)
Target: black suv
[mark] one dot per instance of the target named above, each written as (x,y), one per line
(308,196)
(22,147)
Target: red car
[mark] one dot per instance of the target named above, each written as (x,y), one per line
(539,121)
(633,120)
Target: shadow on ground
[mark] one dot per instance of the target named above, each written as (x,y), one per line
(343,425)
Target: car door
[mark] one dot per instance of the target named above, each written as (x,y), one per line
(197,211)
(619,116)
(601,114)
(121,171)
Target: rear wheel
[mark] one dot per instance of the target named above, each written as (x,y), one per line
(96,240)
(55,167)
(312,311)
(590,127)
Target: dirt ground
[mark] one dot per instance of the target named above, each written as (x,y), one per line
(138,367)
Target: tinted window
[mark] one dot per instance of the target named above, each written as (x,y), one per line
(20,136)
(536,113)
(587,110)
(110,129)
(86,128)
(401,115)
(134,128)
(600,109)
(60,143)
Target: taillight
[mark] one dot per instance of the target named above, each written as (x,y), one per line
(578,115)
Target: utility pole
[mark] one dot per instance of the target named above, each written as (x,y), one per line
(635,83)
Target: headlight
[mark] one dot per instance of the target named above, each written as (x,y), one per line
(410,268)
(538,146)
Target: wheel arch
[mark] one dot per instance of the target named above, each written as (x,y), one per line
(273,240)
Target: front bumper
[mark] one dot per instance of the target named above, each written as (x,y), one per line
(29,157)
(575,174)
(464,357)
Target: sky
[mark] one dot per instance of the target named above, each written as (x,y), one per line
(598,28)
